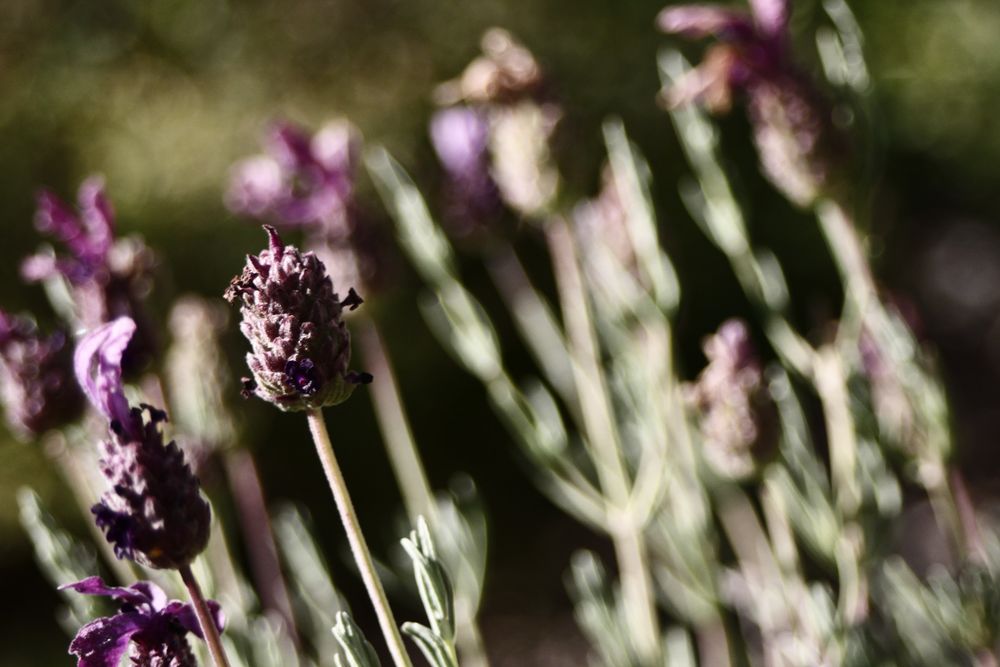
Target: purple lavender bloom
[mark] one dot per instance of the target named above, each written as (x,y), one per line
(88,236)
(36,378)
(155,626)
(109,277)
(153,512)
(795,139)
(299,180)
(735,414)
(461,137)
(293,320)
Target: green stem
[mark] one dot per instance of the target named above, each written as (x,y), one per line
(359,548)
(410,474)
(395,428)
(602,436)
(208,629)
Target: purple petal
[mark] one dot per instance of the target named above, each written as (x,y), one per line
(696,21)
(103,642)
(141,594)
(55,218)
(39,267)
(256,186)
(336,146)
(98,364)
(771,16)
(184,614)
(96,214)
(289,145)
(460,136)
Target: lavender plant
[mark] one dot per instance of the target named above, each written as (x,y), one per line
(734,541)
(321,169)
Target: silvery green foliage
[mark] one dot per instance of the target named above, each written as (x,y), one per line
(355,651)
(946,618)
(598,611)
(436,641)
(316,596)
(62,558)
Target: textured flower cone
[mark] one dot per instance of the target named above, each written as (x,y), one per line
(153,512)
(174,653)
(292,318)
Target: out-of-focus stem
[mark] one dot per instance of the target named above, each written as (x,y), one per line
(248,493)
(410,474)
(205,620)
(713,643)
(359,548)
(598,422)
(220,560)
(395,427)
(848,252)
(533,317)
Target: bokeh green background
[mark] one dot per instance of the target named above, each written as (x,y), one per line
(161,96)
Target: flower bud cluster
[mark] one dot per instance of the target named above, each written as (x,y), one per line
(300,346)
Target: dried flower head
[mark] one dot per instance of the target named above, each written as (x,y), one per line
(734,411)
(796,141)
(106,277)
(292,318)
(522,163)
(156,628)
(505,72)
(36,378)
(153,512)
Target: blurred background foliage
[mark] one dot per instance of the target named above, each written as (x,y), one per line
(162,96)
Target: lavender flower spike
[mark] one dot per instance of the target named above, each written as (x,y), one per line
(153,512)
(292,318)
(155,626)
(36,378)
(795,137)
(730,399)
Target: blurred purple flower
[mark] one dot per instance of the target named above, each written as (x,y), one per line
(299,180)
(792,129)
(461,137)
(735,413)
(107,277)
(36,378)
(157,627)
(88,235)
(153,512)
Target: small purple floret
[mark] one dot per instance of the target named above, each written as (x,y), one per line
(156,626)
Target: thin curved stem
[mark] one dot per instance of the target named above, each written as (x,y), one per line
(208,629)
(359,548)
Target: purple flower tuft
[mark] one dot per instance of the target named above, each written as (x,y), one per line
(153,512)
(36,378)
(292,318)
(300,180)
(795,137)
(730,398)
(155,626)
(107,277)
(98,365)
